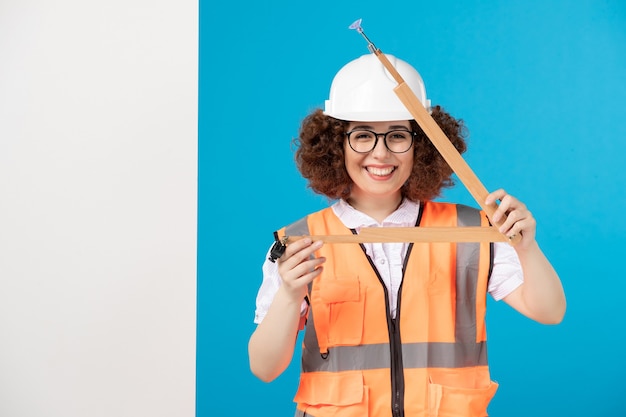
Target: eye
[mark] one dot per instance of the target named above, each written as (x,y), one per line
(399,135)
(362,135)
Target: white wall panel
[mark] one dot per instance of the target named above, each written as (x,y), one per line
(98,177)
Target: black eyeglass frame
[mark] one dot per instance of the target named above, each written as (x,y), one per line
(384,135)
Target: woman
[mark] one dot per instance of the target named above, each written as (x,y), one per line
(392,329)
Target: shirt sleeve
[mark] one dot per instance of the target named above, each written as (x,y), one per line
(507,274)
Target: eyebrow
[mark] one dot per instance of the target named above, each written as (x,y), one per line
(392,127)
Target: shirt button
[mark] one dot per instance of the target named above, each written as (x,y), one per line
(382,261)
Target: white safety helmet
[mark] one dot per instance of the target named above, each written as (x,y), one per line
(363,91)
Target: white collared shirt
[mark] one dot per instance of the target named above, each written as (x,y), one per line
(506,275)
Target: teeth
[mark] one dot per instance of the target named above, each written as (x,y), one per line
(380,171)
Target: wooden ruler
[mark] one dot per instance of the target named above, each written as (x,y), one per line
(412,234)
(454,160)
(443,144)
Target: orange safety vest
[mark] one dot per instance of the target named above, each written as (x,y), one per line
(430,360)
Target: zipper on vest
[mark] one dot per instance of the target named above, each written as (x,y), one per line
(395,346)
(393,328)
(397,371)
(395,339)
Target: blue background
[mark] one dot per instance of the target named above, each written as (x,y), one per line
(541,86)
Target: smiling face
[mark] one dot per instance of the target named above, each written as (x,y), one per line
(378,175)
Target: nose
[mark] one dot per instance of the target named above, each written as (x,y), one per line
(380,150)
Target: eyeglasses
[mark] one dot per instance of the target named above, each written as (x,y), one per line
(364,141)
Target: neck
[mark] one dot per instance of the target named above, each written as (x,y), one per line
(377,208)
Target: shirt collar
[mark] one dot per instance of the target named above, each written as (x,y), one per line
(404,216)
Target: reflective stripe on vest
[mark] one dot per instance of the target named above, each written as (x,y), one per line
(440,320)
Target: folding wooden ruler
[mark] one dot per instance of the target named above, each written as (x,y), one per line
(451,156)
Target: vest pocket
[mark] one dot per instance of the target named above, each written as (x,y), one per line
(345,311)
(332,394)
(458,401)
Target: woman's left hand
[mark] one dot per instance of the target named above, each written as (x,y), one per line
(516,218)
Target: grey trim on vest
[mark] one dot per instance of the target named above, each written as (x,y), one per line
(347,358)
(311,357)
(467,258)
(300,413)
(299,228)
(376,356)
(443,355)
(467,216)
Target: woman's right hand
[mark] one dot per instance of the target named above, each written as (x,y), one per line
(272,344)
(298,266)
